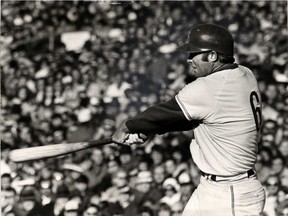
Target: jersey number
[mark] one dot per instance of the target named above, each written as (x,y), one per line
(256,110)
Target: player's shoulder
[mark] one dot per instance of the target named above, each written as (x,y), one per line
(245,69)
(248,73)
(195,88)
(198,83)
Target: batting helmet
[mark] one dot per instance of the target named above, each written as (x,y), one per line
(206,37)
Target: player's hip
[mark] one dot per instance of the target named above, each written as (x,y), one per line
(246,197)
(242,183)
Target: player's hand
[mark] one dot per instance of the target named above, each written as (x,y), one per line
(122,136)
(135,139)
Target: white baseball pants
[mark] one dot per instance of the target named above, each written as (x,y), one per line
(237,198)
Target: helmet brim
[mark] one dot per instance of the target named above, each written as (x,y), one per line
(187,47)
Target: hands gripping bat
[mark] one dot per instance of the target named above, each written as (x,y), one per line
(54,150)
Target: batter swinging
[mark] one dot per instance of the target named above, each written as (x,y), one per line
(223,106)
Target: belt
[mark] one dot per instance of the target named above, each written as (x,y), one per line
(215,178)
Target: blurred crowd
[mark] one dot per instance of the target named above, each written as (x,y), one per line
(50,94)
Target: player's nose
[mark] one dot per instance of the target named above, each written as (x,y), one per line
(190,62)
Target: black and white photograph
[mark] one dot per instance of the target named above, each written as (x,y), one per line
(144,108)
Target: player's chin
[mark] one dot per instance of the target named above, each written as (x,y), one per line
(193,72)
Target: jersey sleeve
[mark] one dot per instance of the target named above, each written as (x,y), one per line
(159,119)
(196,101)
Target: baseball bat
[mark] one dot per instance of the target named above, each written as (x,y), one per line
(54,150)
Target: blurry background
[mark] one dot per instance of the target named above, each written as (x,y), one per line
(73,70)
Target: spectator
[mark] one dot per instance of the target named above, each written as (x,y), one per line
(277,164)
(71,172)
(186,186)
(180,162)
(71,208)
(145,185)
(170,166)
(81,185)
(172,194)
(98,172)
(146,211)
(272,185)
(159,176)
(117,88)
(91,210)
(46,193)
(57,180)
(282,210)
(6,181)
(113,166)
(283,148)
(129,200)
(144,163)
(133,178)
(263,165)
(127,159)
(282,194)
(29,202)
(95,199)
(164,210)
(119,181)
(268,111)
(46,172)
(56,207)
(157,155)
(177,209)
(9,204)
(112,209)
(284,177)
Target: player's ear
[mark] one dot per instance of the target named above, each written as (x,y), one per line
(213,56)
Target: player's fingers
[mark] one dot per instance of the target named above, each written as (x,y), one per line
(142,136)
(121,141)
(134,139)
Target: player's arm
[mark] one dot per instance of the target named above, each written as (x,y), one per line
(158,119)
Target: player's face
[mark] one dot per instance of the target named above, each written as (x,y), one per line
(198,67)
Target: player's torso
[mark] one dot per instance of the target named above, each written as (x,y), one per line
(229,134)
(226,142)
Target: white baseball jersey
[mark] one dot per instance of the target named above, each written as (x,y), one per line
(228,103)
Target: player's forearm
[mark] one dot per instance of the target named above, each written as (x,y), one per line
(160,119)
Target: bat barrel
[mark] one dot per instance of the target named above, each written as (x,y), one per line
(55,150)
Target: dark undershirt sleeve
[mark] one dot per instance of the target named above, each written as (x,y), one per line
(160,119)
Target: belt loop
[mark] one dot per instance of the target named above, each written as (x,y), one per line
(208,176)
(250,172)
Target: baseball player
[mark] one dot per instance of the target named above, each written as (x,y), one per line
(223,106)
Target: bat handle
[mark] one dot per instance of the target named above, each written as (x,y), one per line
(100,142)
(104,141)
